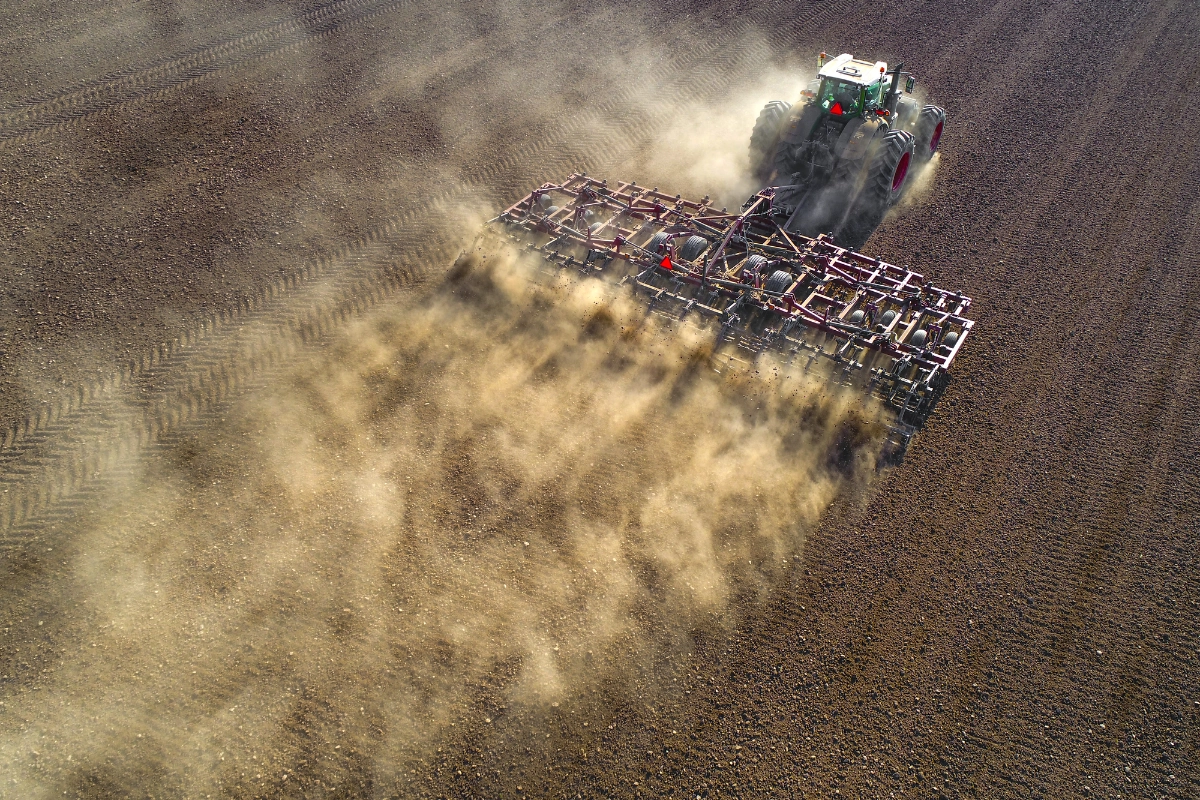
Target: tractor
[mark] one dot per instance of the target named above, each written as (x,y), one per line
(781,274)
(846,153)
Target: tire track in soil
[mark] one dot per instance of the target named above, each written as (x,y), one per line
(49,464)
(1036,376)
(59,26)
(1072,579)
(1060,568)
(47,114)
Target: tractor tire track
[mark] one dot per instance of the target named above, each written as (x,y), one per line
(48,461)
(47,114)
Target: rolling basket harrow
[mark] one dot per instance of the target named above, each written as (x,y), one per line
(869,324)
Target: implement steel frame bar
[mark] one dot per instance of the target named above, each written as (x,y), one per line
(873,313)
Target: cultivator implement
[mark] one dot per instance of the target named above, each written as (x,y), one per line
(863,322)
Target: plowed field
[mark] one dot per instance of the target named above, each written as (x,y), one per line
(221,383)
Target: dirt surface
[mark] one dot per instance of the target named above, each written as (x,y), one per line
(215,213)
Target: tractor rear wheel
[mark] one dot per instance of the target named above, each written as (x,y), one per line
(765,137)
(887,177)
(928,132)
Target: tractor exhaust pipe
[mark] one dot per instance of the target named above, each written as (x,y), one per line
(893,96)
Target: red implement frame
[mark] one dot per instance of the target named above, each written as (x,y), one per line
(880,326)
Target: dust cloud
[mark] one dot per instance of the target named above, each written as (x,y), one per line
(481,506)
(920,185)
(497,502)
(704,148)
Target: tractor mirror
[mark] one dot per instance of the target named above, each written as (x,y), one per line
(909,84)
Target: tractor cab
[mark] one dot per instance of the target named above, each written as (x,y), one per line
(850,88)
(839,158)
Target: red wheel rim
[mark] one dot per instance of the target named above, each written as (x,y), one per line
(937,137)
(901,172)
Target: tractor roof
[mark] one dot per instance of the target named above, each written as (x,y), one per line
(846,68)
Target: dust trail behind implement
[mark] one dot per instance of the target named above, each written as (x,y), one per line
(487,505)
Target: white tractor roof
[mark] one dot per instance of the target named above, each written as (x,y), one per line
(846,68)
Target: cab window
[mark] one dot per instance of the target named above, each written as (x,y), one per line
(848,96)
(877,94)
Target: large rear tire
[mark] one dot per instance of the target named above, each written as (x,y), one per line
(928,132)
(887,178)
(765,137)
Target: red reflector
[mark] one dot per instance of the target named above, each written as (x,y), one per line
(665,263)
(837,109)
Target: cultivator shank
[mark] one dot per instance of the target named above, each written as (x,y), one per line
(869,323)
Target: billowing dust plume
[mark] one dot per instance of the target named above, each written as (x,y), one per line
(704,149)
(920,185)
(485,504)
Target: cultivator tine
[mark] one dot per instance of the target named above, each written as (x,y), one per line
(895,334)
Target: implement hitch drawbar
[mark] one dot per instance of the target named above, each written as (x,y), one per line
(874,325)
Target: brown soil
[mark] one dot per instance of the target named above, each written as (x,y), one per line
(1011,612)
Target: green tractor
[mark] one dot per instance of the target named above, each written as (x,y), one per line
(844,154)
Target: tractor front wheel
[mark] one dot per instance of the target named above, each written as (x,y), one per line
(928,132)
